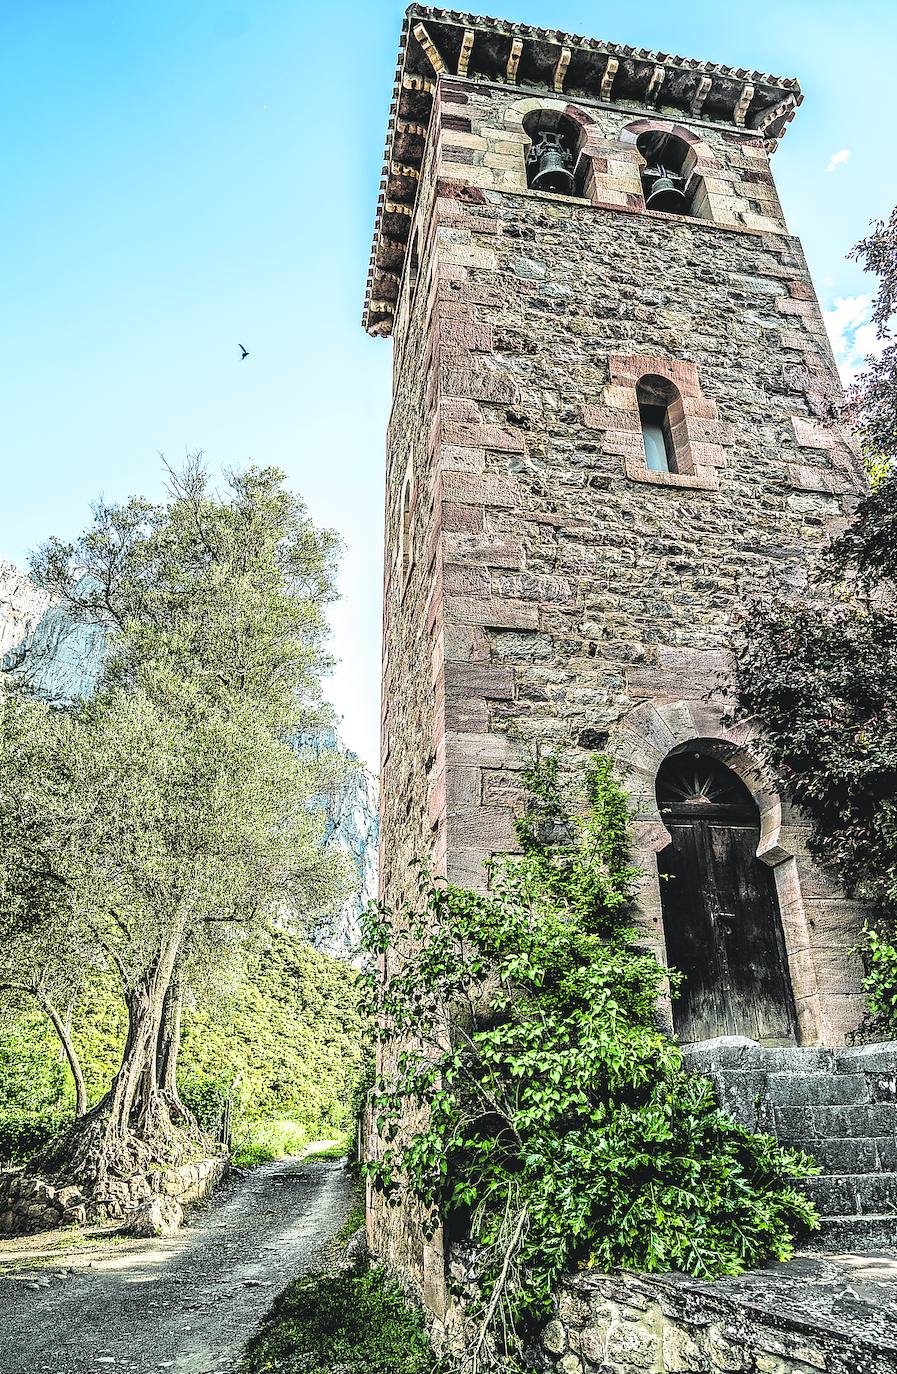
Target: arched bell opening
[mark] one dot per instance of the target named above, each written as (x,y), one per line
(669,179)
(721,919)
(552,160)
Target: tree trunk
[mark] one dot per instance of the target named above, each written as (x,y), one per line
(130,1129)
(167,1050)
(63,1029)
(136,1103)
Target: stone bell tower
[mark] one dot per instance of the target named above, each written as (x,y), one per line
(610,427)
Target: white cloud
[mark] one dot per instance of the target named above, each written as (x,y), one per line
(838,159)
(853,334)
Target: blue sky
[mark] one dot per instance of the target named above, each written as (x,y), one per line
(184,176)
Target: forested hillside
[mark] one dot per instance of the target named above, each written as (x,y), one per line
(282,1043)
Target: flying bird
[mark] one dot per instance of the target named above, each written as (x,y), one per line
(243,351)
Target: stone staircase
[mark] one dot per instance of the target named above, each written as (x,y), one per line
(840,1105)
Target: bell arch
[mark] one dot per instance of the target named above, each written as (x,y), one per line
(673,164)
(818,923)
(552,160)
(531,116)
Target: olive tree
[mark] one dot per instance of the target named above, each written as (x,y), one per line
(172,811)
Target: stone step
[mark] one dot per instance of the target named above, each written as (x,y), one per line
(880,1059)
(804,1125)
(796,1089)
(847,1155)
(817,1089)
(853,1194)
(734,1053)
(731,1053)
(854,1234)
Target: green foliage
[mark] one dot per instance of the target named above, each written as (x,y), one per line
(872,401)
(284,1044)
(356,1323)
(283,1041)
(530,1100)
(260,1142)
(881,974)
(35,1088)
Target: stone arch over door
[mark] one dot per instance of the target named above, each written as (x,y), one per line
(820,926)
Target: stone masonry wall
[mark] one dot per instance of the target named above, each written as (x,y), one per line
(29,1204)
(814,1315)
(541,587)
(626,1323)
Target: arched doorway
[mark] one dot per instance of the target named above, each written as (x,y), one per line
(721,916)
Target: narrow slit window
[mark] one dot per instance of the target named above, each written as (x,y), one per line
(657,400)
(659,455)
(406,531)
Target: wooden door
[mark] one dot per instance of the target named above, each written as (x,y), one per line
(720,911)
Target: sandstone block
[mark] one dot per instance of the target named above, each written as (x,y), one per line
(161,1217)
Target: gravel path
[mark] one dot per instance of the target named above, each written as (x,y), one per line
(187,1304)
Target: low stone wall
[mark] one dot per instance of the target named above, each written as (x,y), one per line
(628,1323)
(29,1204)
(815,1314)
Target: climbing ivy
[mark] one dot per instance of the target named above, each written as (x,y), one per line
(529,1099)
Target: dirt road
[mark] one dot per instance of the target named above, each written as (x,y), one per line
(187,1304)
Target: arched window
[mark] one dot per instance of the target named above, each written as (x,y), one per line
(551,163)
(405,532)
(657,401)
(669,180)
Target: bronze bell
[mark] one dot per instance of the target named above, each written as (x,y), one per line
(666,191)
(552,161)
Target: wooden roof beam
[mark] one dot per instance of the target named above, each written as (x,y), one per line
(466,50)
(744,100)
(701,93)
(430,49)
(784,108)
(514,60)
(654,84)
(560,71)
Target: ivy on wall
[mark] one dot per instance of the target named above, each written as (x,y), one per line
(529,1100)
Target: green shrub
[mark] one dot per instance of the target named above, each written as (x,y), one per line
(880,983)
(354,1323)
(260,1142)
(530,1100)
(23,1136)
(36,1093)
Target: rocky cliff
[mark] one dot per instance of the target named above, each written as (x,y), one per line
(62,659)
(58,657)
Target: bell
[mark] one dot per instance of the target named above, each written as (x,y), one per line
(665,194)
(552,161)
